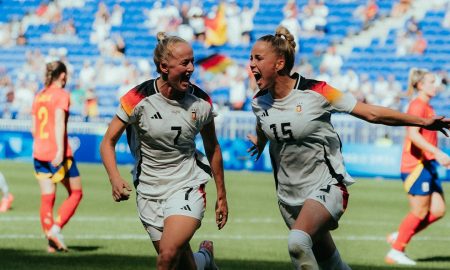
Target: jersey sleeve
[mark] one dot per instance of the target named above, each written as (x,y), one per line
(256,108)
(343,102)
(417,109)
(127,104)
(196,91)
(209,113)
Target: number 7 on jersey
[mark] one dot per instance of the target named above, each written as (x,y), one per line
(178,129)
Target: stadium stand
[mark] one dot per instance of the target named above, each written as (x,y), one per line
(121,51)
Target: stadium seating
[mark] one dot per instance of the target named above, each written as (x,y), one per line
(375,59)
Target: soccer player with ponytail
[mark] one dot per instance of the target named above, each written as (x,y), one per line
(162,117)
(293,113)
(53,158)
(420,159)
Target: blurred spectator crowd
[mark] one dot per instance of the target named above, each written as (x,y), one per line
(100,80)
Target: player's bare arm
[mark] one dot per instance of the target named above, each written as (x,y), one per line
(418,140)
(382,115)
(33,125)
(60,116)
(120,188)
(214,155)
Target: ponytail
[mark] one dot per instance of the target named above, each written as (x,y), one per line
(284,45)
(415,76)
(53,70)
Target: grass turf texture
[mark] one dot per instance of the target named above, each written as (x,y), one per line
(107,235)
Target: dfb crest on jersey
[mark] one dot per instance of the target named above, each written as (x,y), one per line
(194,115)
(298,108)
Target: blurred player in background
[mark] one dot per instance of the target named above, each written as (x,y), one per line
(420,159)
(53,158)
(162,116)
(293,113)
(8,198)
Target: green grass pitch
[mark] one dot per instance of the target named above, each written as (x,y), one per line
(107,235)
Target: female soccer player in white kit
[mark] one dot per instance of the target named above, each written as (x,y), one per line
(293,113)
(162,117)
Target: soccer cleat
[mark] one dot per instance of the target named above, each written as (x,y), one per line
(56,239)
(51,249)
(397,257)
(207,247)
(390,239)
(6,202)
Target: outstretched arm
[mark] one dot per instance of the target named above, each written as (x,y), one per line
(382,115)
(120,188)
(259,142)
(214,155)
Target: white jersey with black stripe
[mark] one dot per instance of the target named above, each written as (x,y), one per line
(304,148)
(162,138)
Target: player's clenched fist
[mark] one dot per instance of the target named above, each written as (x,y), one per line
(120,190)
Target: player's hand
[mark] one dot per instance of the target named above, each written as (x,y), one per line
(439,123)
(443,159)
(221,212)
(120,190)
(255,149)
(59,157)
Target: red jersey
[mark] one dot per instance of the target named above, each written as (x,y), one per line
(44,107)
(412,155)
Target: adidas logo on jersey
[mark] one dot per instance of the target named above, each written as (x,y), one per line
(265,113)
(156,116)
(186,207)
(321,197)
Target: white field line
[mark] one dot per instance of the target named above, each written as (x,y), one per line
(224,236)
(211,236)
(232,220)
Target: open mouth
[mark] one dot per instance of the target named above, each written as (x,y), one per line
(186,78)
(257,76)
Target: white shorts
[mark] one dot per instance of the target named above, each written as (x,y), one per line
(333,197)
(189,201)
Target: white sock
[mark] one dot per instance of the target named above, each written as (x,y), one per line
(334,263)
(300,250)
(201,259)
(55,229)
(3,185)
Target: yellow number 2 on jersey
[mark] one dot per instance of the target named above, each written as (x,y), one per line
(43,120)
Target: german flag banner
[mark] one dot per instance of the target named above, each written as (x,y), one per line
(216,28)
(215,63)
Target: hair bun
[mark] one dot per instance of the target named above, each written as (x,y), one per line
(161,36)
(283,36)
(283,33)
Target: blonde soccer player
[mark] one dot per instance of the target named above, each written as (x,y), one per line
(420,159)
(162,117)
(293,113)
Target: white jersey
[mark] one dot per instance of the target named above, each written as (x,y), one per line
(304,148)
(161,137)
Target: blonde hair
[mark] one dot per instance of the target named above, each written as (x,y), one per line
(53,70)
(164,47)
(284,45)
(416,75)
